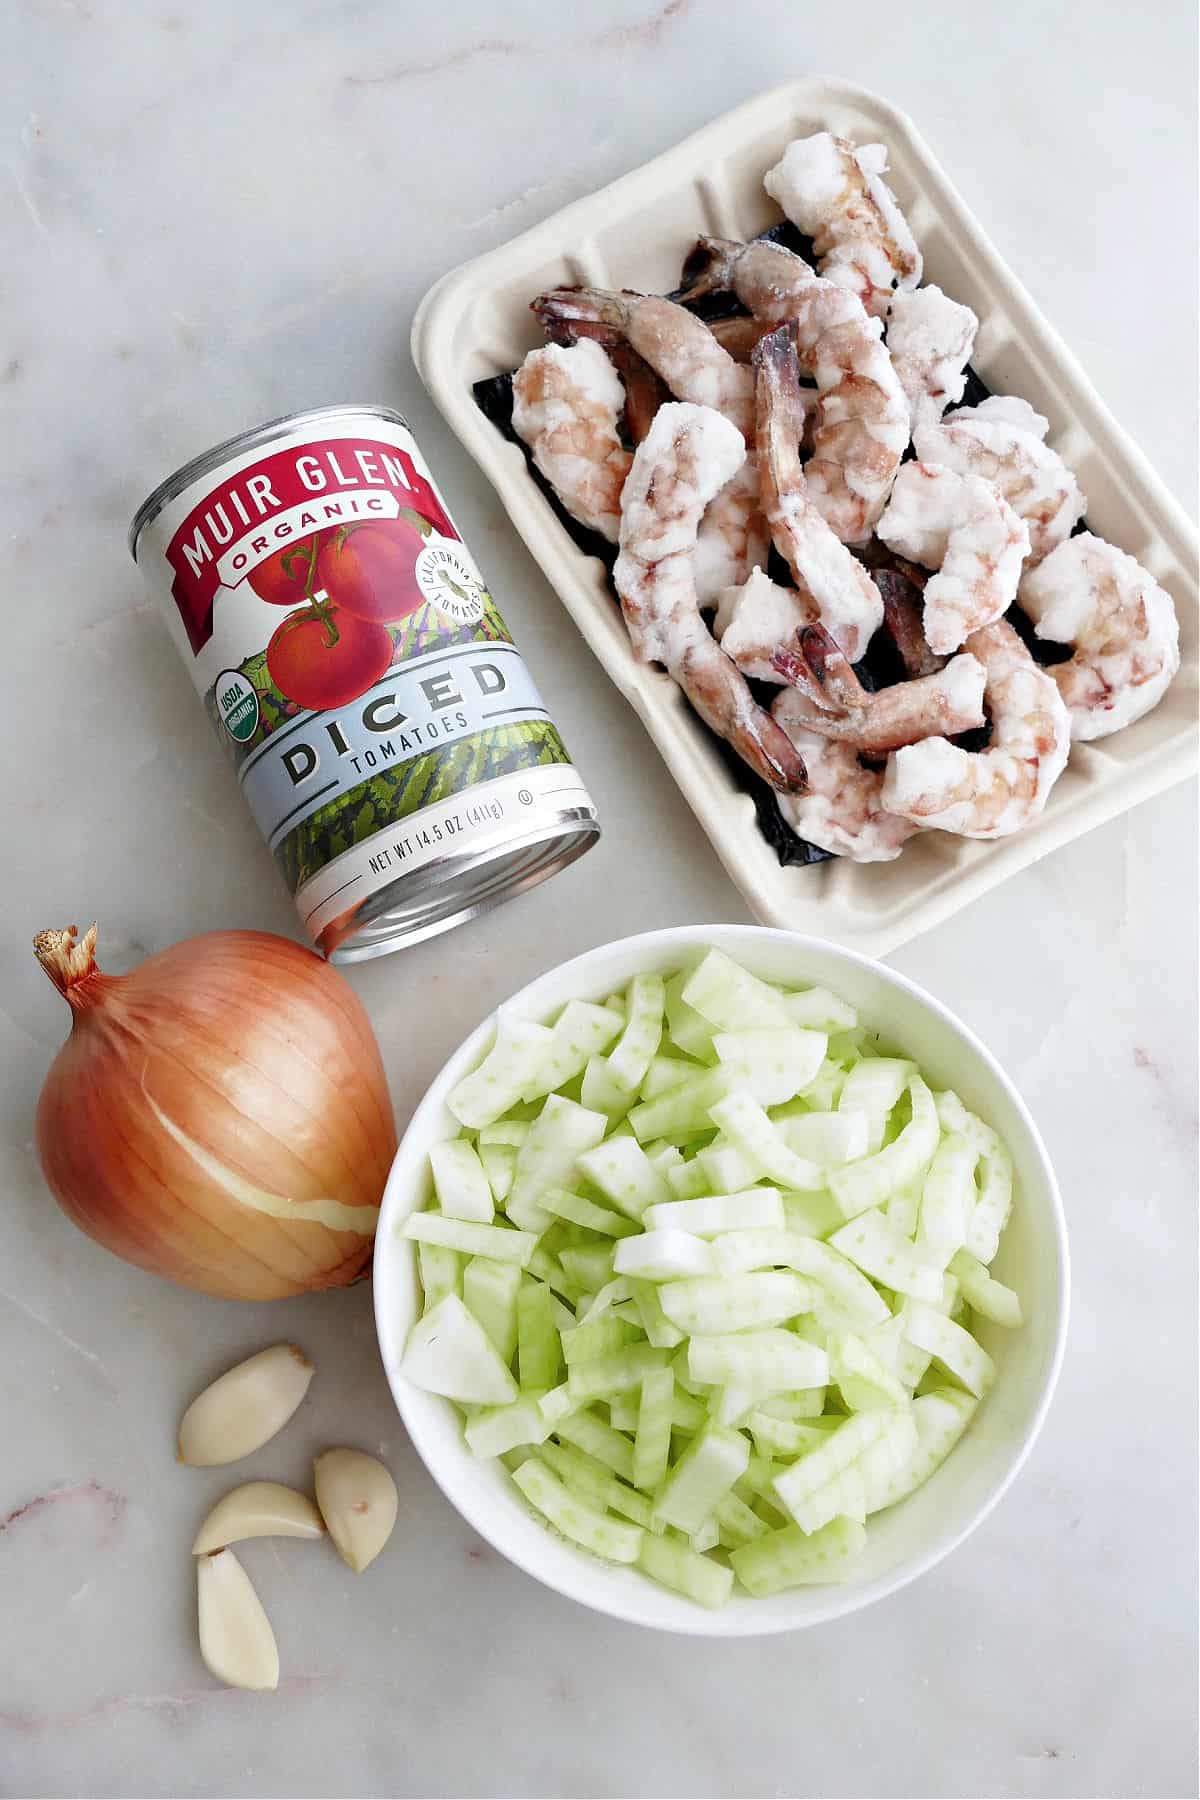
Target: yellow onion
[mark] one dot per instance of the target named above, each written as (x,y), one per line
(220,1115)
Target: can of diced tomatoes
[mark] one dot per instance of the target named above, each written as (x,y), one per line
(383,726)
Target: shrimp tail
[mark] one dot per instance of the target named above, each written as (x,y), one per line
(718,691)
(770,752)
(568,313)
(767,749)
(792,666)
(815,666)
(645,391)
(780,413)
(832,668)
(903,622)
(708,268)
(739,334)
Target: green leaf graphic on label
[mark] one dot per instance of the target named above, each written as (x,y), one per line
(399,792)
(246,707)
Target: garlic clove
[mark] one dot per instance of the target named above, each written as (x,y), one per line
(258,1509)
(245,1407)
(358,1502)
(236,1640)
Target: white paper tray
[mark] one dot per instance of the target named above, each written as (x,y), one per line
(476,322)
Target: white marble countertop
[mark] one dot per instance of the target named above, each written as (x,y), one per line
(219,212)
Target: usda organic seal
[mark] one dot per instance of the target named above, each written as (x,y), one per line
(237,704)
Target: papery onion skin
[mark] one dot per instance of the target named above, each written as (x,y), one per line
(261,1056)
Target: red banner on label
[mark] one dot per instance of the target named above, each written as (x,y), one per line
(246,511)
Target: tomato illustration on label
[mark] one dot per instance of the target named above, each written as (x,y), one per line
(346,585)
(370,569)
(285,579)
(324,657)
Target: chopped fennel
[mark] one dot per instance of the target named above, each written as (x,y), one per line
(702,1273)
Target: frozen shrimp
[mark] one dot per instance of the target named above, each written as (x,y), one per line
(1123,625)
(930,338)
(939,705)
(733,537)
(1000,440)
(861,428)
(961,526)
(861,433)
(679,354)
(846,599)
(678,346)
(836,194)
(1012,409)
(988,793)
(842,810)
(776,286)
(566,403)
(686,457)
(754,619)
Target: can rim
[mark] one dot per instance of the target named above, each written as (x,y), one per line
(207,460)
(548,850)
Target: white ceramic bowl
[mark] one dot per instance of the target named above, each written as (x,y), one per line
(902,1542)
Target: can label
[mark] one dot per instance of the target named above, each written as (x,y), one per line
(376,709)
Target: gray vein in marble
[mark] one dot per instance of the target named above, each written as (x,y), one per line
(63,1337)
(644,33)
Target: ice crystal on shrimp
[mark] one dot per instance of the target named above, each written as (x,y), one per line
(836,194)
